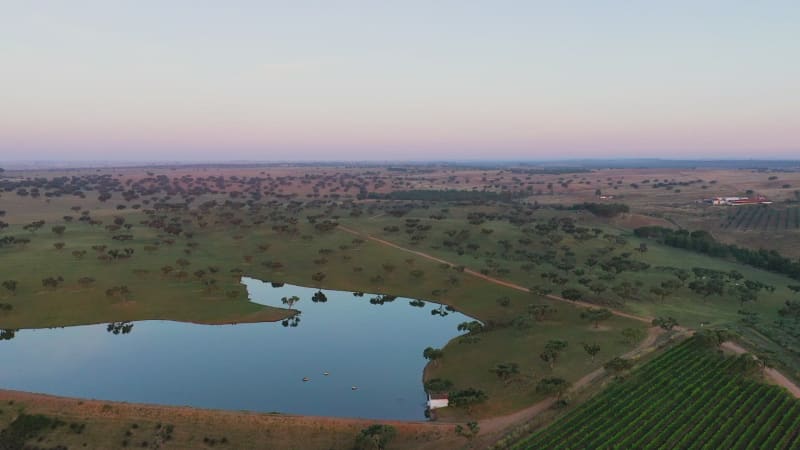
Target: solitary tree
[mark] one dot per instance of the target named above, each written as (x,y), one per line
(597,287)
(469,432)
(289,301)
(504,371)
(572,294)
(85,282)
(553,385)
(707,287)
(433,354)
(618,365)
(541,312)
(375,437)
(632,335)
(467,398)
(660,292)
(596,316)
(438,385)
(52,282)
(552,350)
(318,277)
(667,323)
(749,365)
(682,275)
(11,286)
(473,327)
(592,350)
(671,285)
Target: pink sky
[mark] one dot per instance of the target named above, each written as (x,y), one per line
(417,80)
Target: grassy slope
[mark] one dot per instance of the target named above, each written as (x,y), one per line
(156,296)
(108,425)
(677,400)
(687,307)
(152,295)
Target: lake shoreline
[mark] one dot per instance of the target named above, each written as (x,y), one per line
(89,403)
(319,374)
(243,429)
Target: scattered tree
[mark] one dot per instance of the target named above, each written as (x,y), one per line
(438,385)
(592,350)
(10,286)
(504,371)
(433,355)
(572,294)
(596,315)
(472,328)
(618,365)
(553,385)
(467,398)
(289,301)
(633,335)
(552,350)
(375,437)
(667,323)
(469,432)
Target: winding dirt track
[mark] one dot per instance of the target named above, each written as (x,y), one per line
(494,280)
(497,424)
(774,375)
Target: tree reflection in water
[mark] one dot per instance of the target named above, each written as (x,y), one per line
(7,335)
(119,327)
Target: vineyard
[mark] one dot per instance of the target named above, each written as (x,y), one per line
(760,218)
(688,397)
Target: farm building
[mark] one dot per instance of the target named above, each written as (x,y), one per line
(734,201)
(438,401)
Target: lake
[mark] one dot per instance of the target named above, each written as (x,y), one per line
(369,342)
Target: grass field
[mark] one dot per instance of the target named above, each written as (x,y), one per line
(94,424)
(689,397)
(192,233)
(154,295)
(689,308)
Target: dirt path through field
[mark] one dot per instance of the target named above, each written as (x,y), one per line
(501,423)
(488,278)
(777,377)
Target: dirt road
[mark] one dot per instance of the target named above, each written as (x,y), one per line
(501,423)
(494,280)
(774,375)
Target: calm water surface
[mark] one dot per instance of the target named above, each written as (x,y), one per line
(374,347)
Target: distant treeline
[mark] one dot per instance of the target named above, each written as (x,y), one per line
(449,195)
(598,209)
(702,242)
(550,171)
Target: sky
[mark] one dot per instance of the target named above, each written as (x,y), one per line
(393,80)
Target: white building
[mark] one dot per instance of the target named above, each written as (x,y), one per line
(438,401)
